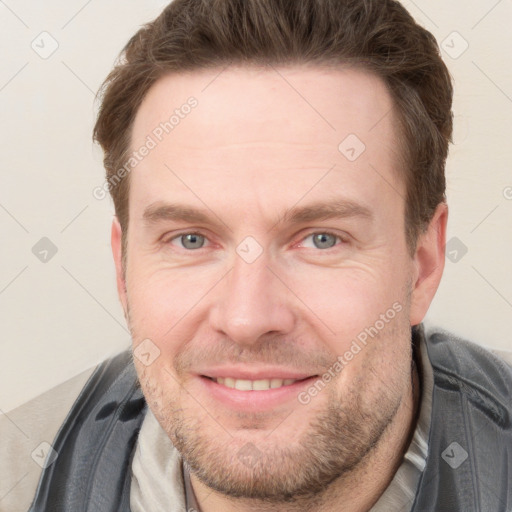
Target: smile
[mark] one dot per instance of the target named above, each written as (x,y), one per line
(254,385)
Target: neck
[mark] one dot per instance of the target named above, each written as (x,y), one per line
(359,490)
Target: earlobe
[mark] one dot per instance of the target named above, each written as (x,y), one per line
(116,243)
(429,261)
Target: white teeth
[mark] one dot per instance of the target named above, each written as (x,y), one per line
(253,385)
(243,385)
(276,383)
(230,383)
(260,385)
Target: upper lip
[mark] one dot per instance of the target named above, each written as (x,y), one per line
(261,373)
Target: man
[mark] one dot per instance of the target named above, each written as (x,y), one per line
(277,170)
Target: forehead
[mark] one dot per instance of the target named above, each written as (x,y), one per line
(268,125)
(328,101)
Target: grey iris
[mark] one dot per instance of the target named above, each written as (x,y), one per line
(320,240)
(196,241)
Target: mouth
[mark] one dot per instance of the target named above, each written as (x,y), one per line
(254,395)
(254,385)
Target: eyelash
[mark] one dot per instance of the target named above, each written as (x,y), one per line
(323,232)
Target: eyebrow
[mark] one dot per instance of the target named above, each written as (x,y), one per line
(337,209)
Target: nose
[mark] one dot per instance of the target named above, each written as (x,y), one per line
(252,301)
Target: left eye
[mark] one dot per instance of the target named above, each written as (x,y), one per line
(321,240)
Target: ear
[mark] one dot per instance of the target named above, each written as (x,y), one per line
(115,240)
(429,259)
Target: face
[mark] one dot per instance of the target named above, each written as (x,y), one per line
(267,268)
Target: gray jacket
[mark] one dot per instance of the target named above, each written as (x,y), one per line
(468,468)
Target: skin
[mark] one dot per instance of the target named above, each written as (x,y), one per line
(250,150)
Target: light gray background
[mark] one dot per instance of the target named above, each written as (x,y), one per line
(62,316)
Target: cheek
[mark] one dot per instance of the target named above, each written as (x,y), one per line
(348,300)
(162,302)
(160,391)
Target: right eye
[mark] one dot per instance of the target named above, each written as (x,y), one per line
(189,241)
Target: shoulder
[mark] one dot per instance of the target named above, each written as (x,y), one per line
(29,432)
(471,428)
(477,373)
(96,440)
(26,435)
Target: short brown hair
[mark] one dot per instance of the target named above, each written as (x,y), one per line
(379,35)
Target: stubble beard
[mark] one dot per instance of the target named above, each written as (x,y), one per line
(338,441)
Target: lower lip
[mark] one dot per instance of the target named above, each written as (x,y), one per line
(255,400)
